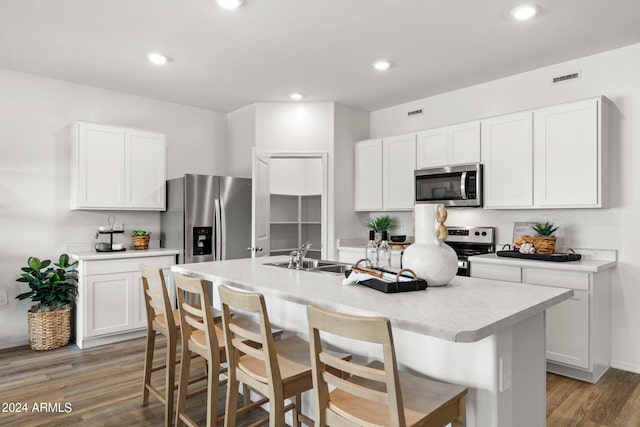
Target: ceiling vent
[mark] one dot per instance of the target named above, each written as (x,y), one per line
(414,113)
(566,78)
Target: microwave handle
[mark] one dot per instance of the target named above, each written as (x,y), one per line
(463,185)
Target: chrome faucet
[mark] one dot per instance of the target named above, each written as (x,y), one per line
(296,257)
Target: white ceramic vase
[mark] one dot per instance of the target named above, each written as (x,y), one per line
(429,257)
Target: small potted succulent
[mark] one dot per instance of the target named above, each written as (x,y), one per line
(53,289)
(544,242)
(140,239)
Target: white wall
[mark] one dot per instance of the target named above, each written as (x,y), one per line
(241,136)
(615,74)
(34,217)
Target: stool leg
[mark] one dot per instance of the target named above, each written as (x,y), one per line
(148,364)
(185,366)
(212,397)
(461,421)
(276,410)
(246,395)
(297,401)
(232,400)
(169,382)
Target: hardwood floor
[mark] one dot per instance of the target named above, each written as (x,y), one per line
(103,387)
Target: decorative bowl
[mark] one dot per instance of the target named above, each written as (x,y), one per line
(399,238)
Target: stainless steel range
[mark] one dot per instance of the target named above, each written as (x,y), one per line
(468,241)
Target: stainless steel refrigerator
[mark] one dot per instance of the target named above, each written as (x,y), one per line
(208,217)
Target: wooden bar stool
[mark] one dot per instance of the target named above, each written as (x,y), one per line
(163,319)
(376,394)
(278,370)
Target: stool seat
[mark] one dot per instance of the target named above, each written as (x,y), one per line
(161,322)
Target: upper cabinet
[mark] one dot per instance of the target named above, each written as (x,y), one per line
(117,168)
(547,158)
(507,155)
(568,154)
(450,145)
(384,173)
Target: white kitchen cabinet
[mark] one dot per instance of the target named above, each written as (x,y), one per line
(110,304)
(577,330)
(568,154)
(507,155)
(384,173)
(117,168)
(398,166)
(368,175)
(450,145)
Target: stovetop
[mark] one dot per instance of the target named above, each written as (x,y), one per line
(468,241)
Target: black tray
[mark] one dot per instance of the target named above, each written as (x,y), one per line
(550,257)
(392,287)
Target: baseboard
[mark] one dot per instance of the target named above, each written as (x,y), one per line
(13,344)
(631,367)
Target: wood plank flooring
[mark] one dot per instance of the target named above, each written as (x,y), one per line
(103,387)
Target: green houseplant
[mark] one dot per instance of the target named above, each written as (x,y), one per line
(53,289)
(544,242)
(140,239)
(380,223)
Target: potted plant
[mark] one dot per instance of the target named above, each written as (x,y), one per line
(544,242)
(53,289)
(380,224)
(140,239)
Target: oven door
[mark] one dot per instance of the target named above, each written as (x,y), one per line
(451,186)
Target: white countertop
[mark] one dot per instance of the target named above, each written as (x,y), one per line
(592,261)
(466,310)
(129,253)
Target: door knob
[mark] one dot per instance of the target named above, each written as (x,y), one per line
(258,249)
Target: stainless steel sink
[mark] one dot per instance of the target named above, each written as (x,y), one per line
(315,266)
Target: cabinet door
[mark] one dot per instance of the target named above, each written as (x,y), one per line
(398,167)
(566,150)
(109,303)
(432,148)
(100,169)
(145,173)
(464,144)
(507,154)
(567,328)
(368,175)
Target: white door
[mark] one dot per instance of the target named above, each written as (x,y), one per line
(507,155)
(261,206)
(109,303)
(368,175)
(567,155)
(568,331)
(464,143)
(145,174)
(398,167)
(101,154)
(432,148)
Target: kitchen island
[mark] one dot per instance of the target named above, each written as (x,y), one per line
(486,334)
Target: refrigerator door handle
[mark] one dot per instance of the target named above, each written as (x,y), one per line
(223,231)
(217,220)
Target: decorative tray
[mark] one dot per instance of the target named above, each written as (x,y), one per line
(383,284)
(557,257)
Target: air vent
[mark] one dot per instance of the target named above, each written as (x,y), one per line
(566,78)
(414,113)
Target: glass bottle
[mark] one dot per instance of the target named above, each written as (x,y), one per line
(384,252)
(371,251)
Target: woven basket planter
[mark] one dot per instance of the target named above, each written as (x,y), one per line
(49,330)
(140,242)
(544,245)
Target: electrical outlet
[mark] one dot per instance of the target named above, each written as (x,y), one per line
(505,372)
(4,297)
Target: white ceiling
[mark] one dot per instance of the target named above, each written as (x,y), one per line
(263,51)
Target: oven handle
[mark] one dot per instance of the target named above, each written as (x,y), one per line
(463,185)
(463,264)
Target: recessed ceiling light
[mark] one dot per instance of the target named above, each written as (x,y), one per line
(157,58)
(229,4)
(524,12)
(381,64)
(296,96)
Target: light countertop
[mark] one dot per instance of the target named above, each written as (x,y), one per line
(592,261)
(129,253)
(466,310)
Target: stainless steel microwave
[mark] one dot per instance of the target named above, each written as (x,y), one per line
(452,185)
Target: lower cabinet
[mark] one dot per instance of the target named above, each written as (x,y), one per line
(110,305)
(577,337)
